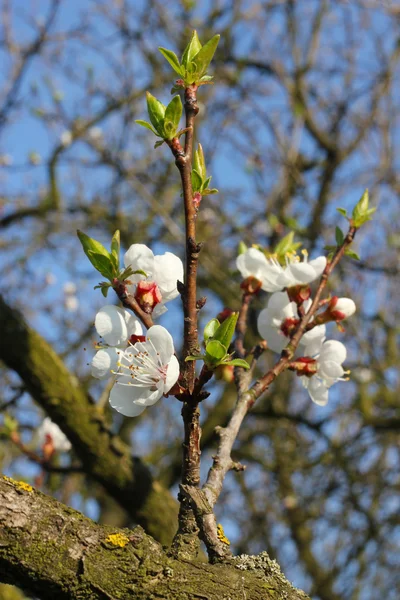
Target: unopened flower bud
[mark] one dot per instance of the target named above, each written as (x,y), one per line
(341,308)
(148,295)
(224,373)
(196,200)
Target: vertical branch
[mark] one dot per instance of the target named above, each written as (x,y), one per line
(186,541)
(184,164)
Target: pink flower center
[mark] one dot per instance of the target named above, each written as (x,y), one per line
(147,295)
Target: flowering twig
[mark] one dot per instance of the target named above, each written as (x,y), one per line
(222,461)
(129,301)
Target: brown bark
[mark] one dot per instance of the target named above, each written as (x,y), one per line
(55,552)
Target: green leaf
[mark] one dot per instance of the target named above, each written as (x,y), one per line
(210,329)
(102,264)
(205,55)
(197,357)
(242,248)
(225,331)
(173,114)
(362,212)
(207,183)
(193,47)
(351,254)
(286,245)
(156,110)
(342,211)
(206,79)
(238,362)
(115,248)
(197,181)
(147,125)
(215,351)
(191,73)
(199,162)
(210,192)
(158,144)
(339,236)
(91,245)
(172,58)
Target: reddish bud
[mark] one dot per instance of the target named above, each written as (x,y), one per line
(299,293)
(224,314)
(289,326)
(337,310)
(147,295)
(196,200)
(251,285)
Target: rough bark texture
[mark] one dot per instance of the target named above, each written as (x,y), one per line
(104,456)
(55,552)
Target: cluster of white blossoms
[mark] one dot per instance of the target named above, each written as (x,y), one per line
(320,361)
(145,366)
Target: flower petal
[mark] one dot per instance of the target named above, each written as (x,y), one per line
(318,265)
(302,272)
(168,269)
(139,256)
(313,340)
(274,337)
(110,324)
(105,361)
(133,324)
(172,374)
(250,263)
(162,342)
(280,307)
(332,350)
(121,400)
(330,371)
(318,391)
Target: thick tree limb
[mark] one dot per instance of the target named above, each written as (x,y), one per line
(53,551)
(104,456)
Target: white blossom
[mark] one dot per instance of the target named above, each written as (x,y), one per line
(164,270)
(301,273)
(147,370)
(71,303)
(66,138)
(329,361)
(278,320)
(254,263)
(95,134)
(47,430)
(273,276)
(115,326)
